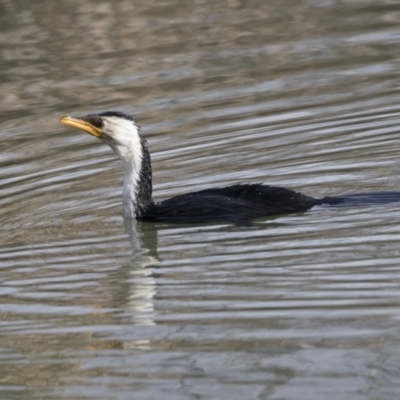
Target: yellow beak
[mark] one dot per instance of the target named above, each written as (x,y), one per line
(82,125)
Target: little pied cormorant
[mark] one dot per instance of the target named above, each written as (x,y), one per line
(231,203)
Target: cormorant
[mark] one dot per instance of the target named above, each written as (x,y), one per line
(233,203)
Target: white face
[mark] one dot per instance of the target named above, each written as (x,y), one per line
(122,136)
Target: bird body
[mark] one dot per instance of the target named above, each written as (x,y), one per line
(230,203)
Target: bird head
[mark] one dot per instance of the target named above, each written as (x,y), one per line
(115,128)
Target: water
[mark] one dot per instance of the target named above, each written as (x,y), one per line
(302,95)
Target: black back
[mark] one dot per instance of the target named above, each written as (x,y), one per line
(231,203)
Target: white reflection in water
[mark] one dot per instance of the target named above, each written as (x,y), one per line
(142,282)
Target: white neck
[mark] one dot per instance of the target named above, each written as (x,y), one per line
(130,190)
(123,137)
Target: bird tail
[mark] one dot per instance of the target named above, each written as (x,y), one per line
(362,199)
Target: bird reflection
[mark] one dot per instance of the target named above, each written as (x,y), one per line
(141,280)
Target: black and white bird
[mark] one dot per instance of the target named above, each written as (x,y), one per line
(234,203)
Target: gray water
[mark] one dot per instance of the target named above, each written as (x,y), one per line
(300,94)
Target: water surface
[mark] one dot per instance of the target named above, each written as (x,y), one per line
(302,95)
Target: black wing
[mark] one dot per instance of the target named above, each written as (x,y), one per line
(231,203)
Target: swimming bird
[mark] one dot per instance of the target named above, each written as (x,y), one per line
(239,202)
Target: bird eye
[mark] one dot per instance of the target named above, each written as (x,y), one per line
(94,120)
